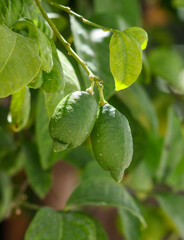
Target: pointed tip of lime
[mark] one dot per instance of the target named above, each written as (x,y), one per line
(59,146)
(117,175)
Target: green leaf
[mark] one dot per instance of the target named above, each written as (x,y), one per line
(173,205)
(176,177)
(92,46)
(100,232)
(12,163)
(6,142)
(125,59)
(32,12)
(127,10)
(178,3)
(10,11)
(93,167)
(5,194)
(71,85)
(157,224)
(140,106)
(19,109)
(17,65)
(53,81)
(172,150)
(168,64)
(44,141)
(37,81)
(46,225)
(40,180)
(101,191)
(70,77)
(78,226)
(79,156)
(29,29)
(139,34)
(130,225)
(52,100)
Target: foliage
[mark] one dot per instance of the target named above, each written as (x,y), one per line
(50,87)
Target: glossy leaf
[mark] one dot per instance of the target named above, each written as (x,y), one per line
(129,224)
(53,81)
(92,46)
(44,141)
(20,109)
(125,59)
(28,28)
(31,11)
(167,64)
(138,102)
(173,205)
(71,84)
(19,61)
(37,81)
(40,180)
(5,195)
(46,225)
(10,11)
(139,34)
(172,150)
(101,191)
(78,226)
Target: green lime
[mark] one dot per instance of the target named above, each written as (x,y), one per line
(112,141)
(73,120)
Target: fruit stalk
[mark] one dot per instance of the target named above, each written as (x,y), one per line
(93,78)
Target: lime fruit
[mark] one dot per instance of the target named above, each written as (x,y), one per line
(112,141)
(73,120)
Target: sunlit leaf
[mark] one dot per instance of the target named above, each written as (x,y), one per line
(125,59)
(19,61)
(10,11)
(139,34)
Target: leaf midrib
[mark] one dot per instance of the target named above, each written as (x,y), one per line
(9,54)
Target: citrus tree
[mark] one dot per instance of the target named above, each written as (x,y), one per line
(77,84)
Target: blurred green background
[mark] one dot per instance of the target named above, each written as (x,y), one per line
(154,106)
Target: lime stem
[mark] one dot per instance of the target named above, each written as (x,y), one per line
(66,44)
(84,20)
(102,99)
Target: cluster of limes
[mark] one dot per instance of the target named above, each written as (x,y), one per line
(77,116)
